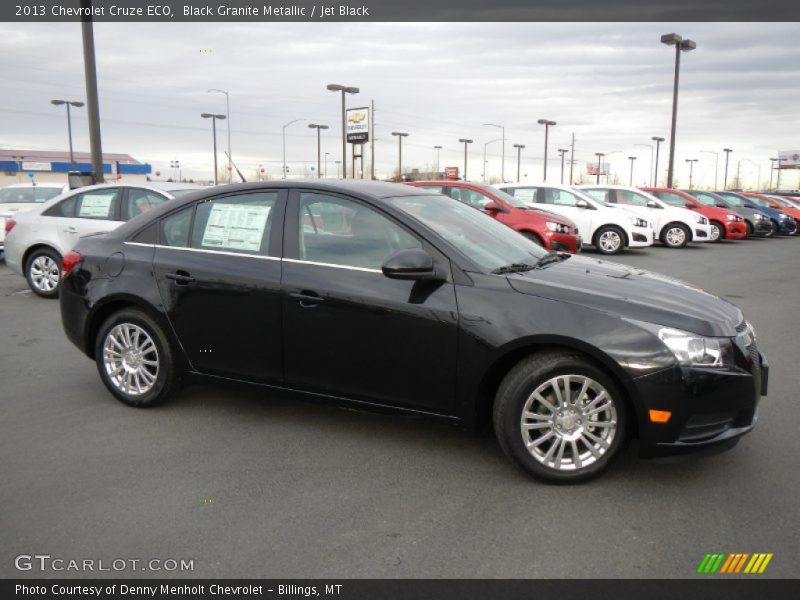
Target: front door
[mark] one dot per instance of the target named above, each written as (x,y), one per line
(349,330)
(218,270)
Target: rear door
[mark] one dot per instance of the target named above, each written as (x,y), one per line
(93,211)
(218,268)
(348,329)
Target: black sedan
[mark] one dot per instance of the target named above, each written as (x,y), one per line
(387,295)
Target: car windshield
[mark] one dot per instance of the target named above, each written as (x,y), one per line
(33,194)
(672,199)
(706,199)
(759,201)
(509,199)
(482,239)
(733,199)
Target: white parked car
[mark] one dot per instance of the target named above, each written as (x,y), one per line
(609,229)
(36,240)
(25,196)
(674,226)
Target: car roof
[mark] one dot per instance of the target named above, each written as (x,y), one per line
(46,184)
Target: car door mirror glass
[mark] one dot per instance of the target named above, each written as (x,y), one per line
(581,203)
(412,263)
(492,208)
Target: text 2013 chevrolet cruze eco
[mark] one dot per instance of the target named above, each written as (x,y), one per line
(385,294)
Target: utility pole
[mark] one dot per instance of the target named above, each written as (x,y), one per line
(571,158)
(631,158)
(372,140)
(658,141)
(681,45)
(519,148)
(599,156)
(92,100)
(727,152)
(562,152)
(547,125)
(465,141)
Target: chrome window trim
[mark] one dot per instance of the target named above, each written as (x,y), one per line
(322,264)
(203,250)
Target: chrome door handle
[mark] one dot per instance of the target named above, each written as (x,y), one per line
(307,298)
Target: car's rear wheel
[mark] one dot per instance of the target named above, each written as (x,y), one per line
(533,237)
(135,360)
(717,231)
(609,240)
(559,417)
(43,272)
(675,235)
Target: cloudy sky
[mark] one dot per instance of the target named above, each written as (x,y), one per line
(609,84)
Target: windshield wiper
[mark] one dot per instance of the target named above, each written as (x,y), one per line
(513,268)
(551,258)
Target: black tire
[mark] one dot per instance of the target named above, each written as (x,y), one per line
(749,229)
(43,272)
(534,238)
(720,228)
(606,248)
(517,388)
(166,381)
(773,228)
(675,235)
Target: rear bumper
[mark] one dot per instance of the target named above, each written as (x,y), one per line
(710,408)
(74,314)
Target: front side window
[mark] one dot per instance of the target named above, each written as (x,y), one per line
(482,239)
(97,204)
(470,197)
(559,197)
(237,223)
(706,199)
(337,231)
(671,199)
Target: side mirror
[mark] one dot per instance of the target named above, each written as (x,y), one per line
(493,208)
(413,263)
(652,204)
(690,206)
(581,203)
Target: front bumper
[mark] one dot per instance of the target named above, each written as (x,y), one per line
(701,233)
(761,228)
(735,230)
(787,227)
(640,237)
(564,242)
(711,408)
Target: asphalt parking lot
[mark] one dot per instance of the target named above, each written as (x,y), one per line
(253,484)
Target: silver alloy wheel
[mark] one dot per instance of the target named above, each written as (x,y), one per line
(610,240)
(130,359)
(716,232)
(44,273)
(676,236)
(568,422)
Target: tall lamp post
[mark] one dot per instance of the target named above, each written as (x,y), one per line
(284,143)
(599,156)
(519,148)
(503,151)
(228,127)
(716,165)
(631,158)
(400,135)
(327,154)
(319,147)
(563,153)
(691,162)
(547,125)
(68,103)
(681,45)
(658,141)
(214,118)
(727,152)
(345,89)
(486,162)
(465,141)
(437,148)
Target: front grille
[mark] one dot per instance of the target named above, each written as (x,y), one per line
(700,233)
(638,237)
(741,327)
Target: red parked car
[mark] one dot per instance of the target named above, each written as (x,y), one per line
(725,224)
(549,230)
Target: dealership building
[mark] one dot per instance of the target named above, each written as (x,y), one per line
(37,166)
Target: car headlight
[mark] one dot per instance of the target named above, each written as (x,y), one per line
(730,217)
(783,216)
(557,227)
(691,349)
(637,222)
(702,220)
(758,217)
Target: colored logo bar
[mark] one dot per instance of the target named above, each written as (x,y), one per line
(735,563)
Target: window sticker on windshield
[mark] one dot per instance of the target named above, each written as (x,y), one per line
(236,226)
(96,205)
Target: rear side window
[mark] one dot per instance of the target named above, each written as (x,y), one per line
(601,195)
(524,194)
(559,197)
(97,204)
(629,197)
(175,228)
(237,223)
(140,201)
(65,208)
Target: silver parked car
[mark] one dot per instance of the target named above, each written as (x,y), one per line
(37,239)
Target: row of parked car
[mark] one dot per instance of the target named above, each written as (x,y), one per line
(43,222)
(612,218)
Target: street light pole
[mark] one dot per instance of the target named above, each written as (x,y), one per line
(437,148)
(327,154)
(519,148)
(563,153)
(727,152)
(228,127)
(68,103)
(691,162)
(284,143)
(658,141)
(547,124)
(486,162)
(214,118)
(503,155)
(631,158)
(716,165)
(599,156)
(400,135)
(465,141)
(319,147)
(345,89)
(681,45)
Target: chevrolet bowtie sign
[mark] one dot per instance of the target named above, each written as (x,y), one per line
(358,125)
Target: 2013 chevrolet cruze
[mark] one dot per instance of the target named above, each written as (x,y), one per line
(388,295)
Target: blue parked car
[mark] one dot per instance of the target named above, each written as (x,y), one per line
(782,223)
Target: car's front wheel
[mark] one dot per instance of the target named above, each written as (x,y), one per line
(135,360)
(609,240)
(43,272)
(675,235)
(717,231)
(559,417)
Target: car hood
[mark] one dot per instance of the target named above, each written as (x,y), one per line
(663,215)
(632,293)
